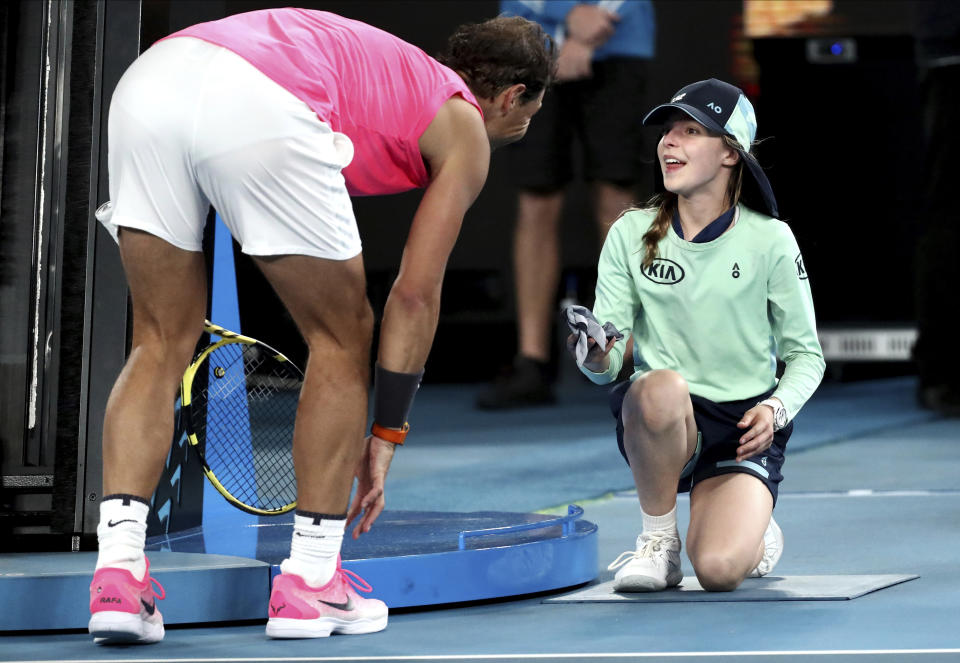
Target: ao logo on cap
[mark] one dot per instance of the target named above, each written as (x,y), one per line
(715,108)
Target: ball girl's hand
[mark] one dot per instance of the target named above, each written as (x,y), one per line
(596,360)
(758,437)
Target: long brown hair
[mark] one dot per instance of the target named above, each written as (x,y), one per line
(666,204)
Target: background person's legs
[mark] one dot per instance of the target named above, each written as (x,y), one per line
(609,202)
(728,516)
(541,167)
(536,261)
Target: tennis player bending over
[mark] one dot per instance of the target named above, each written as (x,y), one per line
(275,118)
(712,292)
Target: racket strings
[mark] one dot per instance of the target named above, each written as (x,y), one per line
(245,418)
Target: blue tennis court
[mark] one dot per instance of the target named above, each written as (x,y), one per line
(869,492)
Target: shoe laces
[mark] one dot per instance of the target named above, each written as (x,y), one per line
(648,543)
(355,580)
(162,594)
(158,591)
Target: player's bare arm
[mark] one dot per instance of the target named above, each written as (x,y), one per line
(457,152)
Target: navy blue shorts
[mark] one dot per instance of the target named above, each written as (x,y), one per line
(718,440)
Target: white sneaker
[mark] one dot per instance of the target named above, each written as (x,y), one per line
(653,566)
(772,549)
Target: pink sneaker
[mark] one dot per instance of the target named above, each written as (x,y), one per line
(124,609)
(300,611)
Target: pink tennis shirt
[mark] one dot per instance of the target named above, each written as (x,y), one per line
(377,89)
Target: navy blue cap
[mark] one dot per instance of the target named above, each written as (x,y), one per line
(723,109)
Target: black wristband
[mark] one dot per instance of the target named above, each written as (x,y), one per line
(393,396)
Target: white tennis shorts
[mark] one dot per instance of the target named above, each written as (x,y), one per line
(193,124)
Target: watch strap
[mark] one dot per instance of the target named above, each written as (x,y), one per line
(779,412)
(391,434)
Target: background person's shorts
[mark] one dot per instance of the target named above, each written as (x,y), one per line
(192,124)
(603,114)
(719,439)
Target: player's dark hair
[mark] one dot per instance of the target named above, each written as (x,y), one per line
(666,204)
(503,51)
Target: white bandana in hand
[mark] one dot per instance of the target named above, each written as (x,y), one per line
(581,321)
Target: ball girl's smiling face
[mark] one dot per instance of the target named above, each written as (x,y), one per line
(692,158)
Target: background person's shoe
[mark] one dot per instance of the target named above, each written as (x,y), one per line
(124,609)
(772,549)
(300,611)
(527,385)
(652,567)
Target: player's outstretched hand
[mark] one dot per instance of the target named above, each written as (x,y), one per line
(371,474)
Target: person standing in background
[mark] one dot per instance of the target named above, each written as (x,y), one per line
(601,72)
(938,48)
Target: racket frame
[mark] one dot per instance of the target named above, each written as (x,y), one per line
(227,337)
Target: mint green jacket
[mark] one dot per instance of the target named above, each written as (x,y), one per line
(718,313)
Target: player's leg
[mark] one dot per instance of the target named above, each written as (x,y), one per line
(328,302)
(274,173)
(159,213)
(168,291)
(169,295)
(729,514)
(659,437)
(313,596)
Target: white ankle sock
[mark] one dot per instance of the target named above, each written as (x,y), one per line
(316,542)
(122,533)
(665,523)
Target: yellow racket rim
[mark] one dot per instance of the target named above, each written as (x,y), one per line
(227,337)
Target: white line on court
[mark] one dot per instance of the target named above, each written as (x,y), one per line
(824,494)
(869,492)
(531,657)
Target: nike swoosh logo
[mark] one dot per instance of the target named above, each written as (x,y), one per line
(112,523)
(347,606)
(150,608)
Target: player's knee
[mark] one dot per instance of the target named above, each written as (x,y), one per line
(166,345)
(365,318)
(657,401)
(361,323)
(349,332)
(717,571)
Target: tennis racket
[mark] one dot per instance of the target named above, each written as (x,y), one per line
(238,401)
